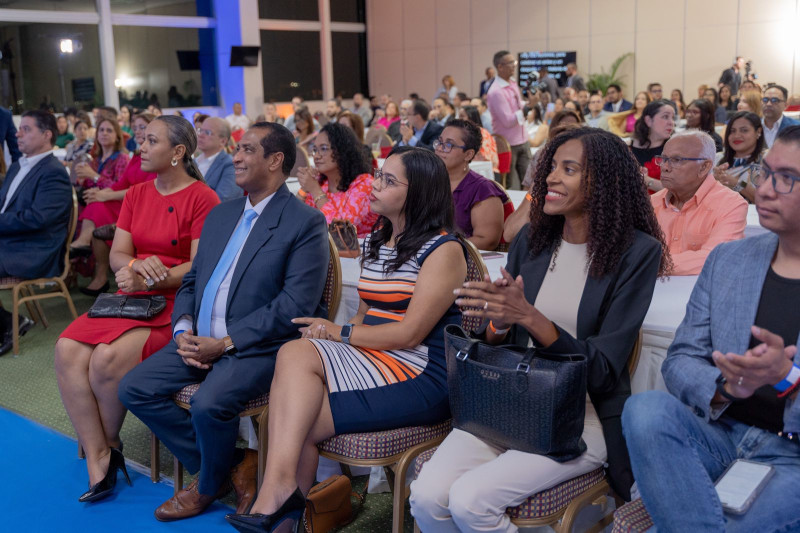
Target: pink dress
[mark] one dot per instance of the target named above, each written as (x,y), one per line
(352,204)
(102,213)
(386,122)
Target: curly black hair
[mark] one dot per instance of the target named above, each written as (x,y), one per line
(615,196)
(347,153)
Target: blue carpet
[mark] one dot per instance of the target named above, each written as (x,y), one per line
(41,478)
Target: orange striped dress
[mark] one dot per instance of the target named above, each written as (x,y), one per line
(373,390)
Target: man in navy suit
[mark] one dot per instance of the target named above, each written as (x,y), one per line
(8,133)
(35,207)
(616,103)
(261,261)
(774,122)
(419,131)
(214,163)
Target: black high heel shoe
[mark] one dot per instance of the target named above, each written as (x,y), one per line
(292,508)
(106,485)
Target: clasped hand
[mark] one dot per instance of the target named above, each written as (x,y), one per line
(307,177)
(766,364)
(319,328)
(151,268)
(502,301)
(199,352)
(95,195)
(129,281)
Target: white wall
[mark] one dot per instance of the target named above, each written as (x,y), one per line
(679,43)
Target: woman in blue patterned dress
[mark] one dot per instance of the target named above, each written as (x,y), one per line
(386,368)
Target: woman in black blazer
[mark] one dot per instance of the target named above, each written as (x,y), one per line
(579,279)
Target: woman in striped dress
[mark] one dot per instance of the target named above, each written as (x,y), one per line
(386,368)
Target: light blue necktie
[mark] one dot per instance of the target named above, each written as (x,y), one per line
(228,255)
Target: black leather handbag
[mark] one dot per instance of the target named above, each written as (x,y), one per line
(517,398)
(124,306)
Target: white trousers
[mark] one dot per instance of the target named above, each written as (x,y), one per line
(468,484)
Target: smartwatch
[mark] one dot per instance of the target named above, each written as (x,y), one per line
(347,330)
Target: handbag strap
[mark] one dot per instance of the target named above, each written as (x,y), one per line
(524,370)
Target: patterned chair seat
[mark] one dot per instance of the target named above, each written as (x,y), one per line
(10,281)
(632,518)
(184,396)
(382,444)
(423,458)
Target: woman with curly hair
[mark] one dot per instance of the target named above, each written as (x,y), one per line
(341,183)
(578,281)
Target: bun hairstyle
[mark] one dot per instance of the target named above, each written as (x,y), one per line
(180,131)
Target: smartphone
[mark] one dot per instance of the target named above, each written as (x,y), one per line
(741,483)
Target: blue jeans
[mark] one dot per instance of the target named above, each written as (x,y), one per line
(677,456)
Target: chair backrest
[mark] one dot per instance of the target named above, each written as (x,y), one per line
(476,271)
(374,135)
(503,153)
(73,225)
(385,140)
(332,294)
(633,359)
(302,160)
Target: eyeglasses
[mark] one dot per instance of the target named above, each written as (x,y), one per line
(208,133)
(781,182)
(445,147)
(662,161)
(773,100)
(386,180)
(140,128)
(512,63)
(322,149)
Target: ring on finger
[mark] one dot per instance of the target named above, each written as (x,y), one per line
(486,305)
(741,378)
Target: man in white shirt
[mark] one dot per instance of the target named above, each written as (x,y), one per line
(774,103)
(597,117)
(237,119)
(362,109)
(35,207)
(214,163)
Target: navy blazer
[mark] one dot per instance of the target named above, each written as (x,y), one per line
(222,178)
(787,122)
(626,106)
(8,133)
(280,274)
(33,228)
(610,314)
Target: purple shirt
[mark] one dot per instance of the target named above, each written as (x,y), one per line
(504,99)
(473,188)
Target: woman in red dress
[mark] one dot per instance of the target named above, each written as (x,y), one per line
(156,239)
(104,205)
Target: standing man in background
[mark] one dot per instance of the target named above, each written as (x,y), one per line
(732,77)
(237,119)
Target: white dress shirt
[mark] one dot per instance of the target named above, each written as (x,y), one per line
(238,121)
(25,165)
(771,133)
(219,329)
(615,107)
(204,163)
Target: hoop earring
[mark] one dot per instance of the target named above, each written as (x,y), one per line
(174,162)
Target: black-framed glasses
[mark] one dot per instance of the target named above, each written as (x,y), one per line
(772,100)
(446,147)
(782,183)
(662,160)
(386,180)
(321,149)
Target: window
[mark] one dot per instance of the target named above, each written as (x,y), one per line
(289,9)
(51,5)
(185,8)
(349,64)
(290,63)
(348,11)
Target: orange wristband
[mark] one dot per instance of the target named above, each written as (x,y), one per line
(529,197)
(497,331)
(130,265)
(301,193)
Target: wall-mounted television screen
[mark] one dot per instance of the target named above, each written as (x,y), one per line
(556,63)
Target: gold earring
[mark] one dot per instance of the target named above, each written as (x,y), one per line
(174,162)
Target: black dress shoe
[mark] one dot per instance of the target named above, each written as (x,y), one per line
(79,251)
(105,486)
(7,338)
(292,508)
(95,292)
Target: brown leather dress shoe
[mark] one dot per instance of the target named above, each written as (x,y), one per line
(244,478)
(188,503)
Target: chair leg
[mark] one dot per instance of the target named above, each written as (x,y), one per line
(178,475)
(67,297)
(155,459)
(32,311)
(263,436)
(81,455)
(15,320)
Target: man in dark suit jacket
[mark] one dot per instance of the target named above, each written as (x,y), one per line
(215,164)
(419,131)
(35,208)
(616,103)
(232,314)
(8,133)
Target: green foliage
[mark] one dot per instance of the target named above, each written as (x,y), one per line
(601,81)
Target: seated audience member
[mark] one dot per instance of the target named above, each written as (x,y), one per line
(419,131)
(774,102)
(701,90)
(392,115)
(238,120)
(575,289)
(297,103)
(597,117)
(655,91)
(361,108)
(328,382)
(64,135)
(198,120)
(440,111)
(744,148)
(677,98)
(304,132)
(732,374)
(448,89)
(478,201)
(624,123)
(109,161)
(8,134)
(82,144)
(231,315)
(583,100)
(615,103)
(694,210)
(488,151)
(215,164)
(103,207)
(353,121)
(712,97)
(93,354)
(533,125)
(35,208)
(700,116)
(725,105)
(125,119)
(332,109)
(394,128)
(652,130)
(486,116)
(340,183)
(574,106)
(750,101)
(567,117)
(271,113)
